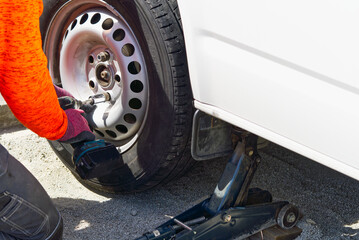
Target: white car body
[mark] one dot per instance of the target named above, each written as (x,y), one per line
(287,71)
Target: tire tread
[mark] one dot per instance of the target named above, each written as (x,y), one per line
(178,159)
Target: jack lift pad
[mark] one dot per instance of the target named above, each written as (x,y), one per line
(233,210)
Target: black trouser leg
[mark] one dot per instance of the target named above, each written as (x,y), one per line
(26,210)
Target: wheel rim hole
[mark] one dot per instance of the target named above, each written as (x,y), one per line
(134,67)
(128,50)
(121,128)
(107,24)
(136,86)
(95,18)
(117,78)
(92,84)
(135,103)
(67,32)
(73,24)
(99,133)
(111,133)
(130,118)
(84,18)
(118,35)
(91,59)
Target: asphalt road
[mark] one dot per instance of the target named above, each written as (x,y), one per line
(327,198)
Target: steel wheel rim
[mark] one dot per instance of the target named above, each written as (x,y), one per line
(84,70)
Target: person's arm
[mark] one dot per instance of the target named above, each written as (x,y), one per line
(25,82)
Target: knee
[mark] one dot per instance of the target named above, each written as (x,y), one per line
(23,220)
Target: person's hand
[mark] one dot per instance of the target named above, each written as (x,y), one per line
(77,129)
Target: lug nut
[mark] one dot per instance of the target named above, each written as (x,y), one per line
(103,56)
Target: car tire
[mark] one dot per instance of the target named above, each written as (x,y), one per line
(155,148)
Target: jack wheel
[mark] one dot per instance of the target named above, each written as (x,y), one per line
(288,216)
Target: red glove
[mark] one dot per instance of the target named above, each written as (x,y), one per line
(77,128)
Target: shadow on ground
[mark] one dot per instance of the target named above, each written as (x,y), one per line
(130,215)
(327,199)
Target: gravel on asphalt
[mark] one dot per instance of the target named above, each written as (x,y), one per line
(327,199)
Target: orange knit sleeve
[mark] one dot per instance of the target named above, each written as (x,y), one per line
(25,82)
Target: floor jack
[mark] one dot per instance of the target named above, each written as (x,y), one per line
(233,210)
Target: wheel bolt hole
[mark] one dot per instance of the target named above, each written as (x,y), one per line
(91,59)
(117,78)
(122,128)
(130,118)
(92,84)
(135,103)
